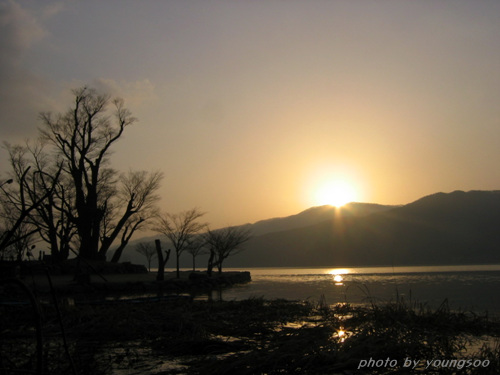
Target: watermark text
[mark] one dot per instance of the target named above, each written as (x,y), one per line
(424,363)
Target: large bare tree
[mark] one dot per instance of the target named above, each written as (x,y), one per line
(102,208)
(180,229)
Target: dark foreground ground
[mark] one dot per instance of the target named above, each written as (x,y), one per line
(255,336)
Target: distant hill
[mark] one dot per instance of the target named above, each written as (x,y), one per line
(442,228)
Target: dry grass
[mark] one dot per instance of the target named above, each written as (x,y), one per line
(254,336)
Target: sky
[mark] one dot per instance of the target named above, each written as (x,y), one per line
(249,108)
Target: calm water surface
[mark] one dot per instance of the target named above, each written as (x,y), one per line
(466,287)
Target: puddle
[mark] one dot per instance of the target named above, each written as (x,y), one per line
(341,335)
(136,358)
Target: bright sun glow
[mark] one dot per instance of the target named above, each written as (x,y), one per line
(335,193)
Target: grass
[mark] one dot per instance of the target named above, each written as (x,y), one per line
(254,336)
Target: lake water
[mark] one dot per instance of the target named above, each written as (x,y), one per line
(467,288)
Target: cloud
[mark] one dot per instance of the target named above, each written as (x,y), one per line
(23,94)
(53,9)
(19,30)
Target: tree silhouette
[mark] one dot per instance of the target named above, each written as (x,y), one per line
(147,250)
(196,247)
(22,198)
(180,229)
(224,243)
(83,138)
(51,218)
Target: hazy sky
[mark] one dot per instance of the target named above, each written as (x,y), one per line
(248,107)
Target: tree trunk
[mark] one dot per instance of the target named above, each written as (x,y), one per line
(210,265)
(178,266)
(117,254)
(88,244)
(161,269)
(161,261)
(88,224)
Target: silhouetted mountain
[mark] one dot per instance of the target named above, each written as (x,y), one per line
(453,228)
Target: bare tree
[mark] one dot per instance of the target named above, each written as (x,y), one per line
(22,241)
(147,250)
(180,229)
(224,243)
(196,247)
(83,138)
(22,197)
(52,218)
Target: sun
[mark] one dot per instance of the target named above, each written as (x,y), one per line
(335,193)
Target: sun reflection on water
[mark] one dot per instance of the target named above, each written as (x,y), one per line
(338,278)
(341,335)
(337,275)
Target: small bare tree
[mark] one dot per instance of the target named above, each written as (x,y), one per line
(224,243)
(147,250)
(196,247)
(180,229)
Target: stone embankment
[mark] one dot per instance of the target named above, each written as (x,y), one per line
(189,281)
(124,278)
(137,283)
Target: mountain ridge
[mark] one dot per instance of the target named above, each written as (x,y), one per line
(312,215)
(442,228)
